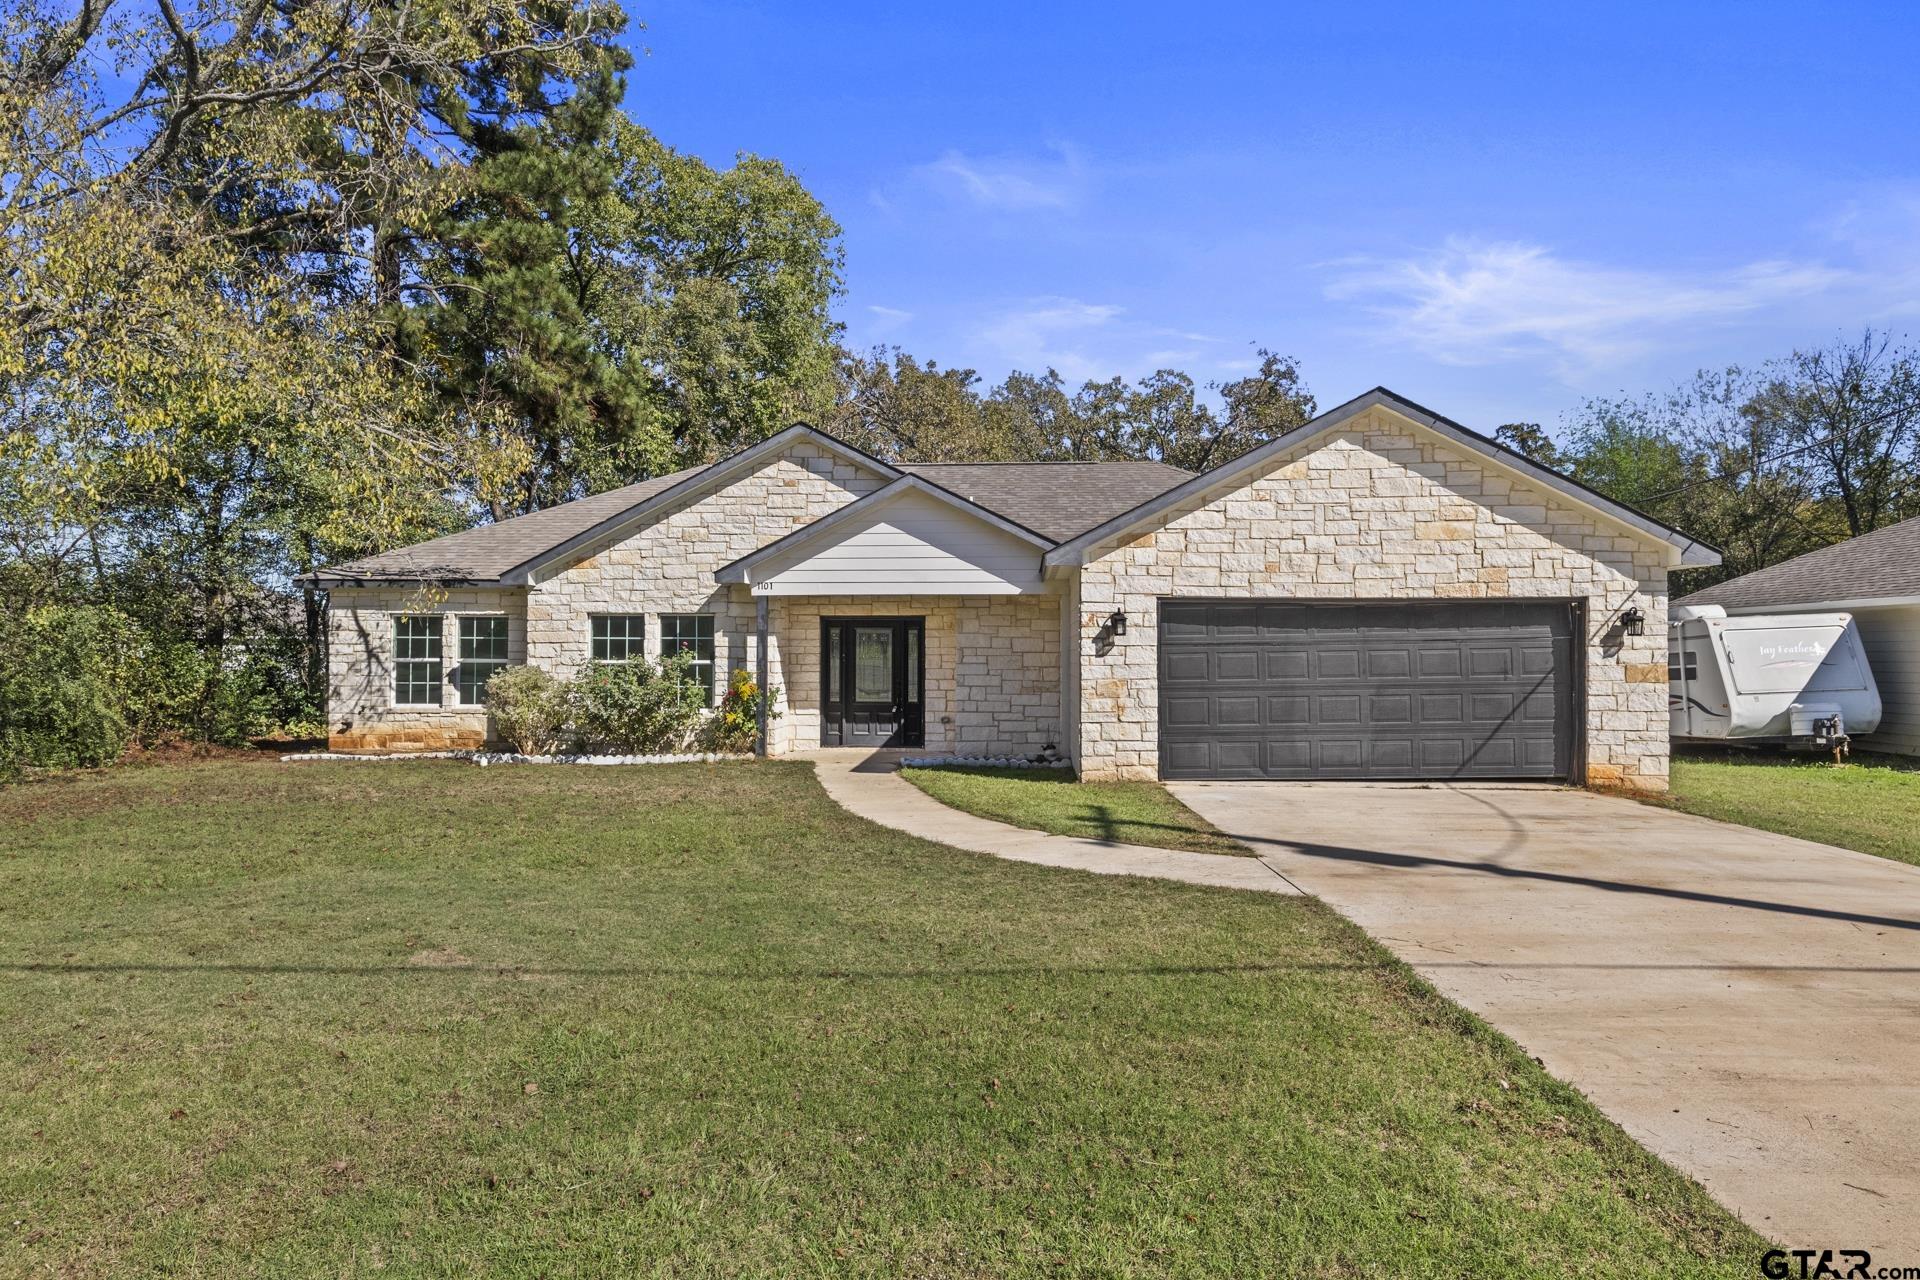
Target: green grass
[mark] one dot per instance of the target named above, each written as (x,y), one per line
(1871,803)
(1051,800)
(432,1020)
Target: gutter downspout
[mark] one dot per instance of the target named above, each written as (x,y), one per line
(761,674)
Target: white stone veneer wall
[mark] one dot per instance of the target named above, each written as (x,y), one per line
(1382,509)
(992,668)
(361,715)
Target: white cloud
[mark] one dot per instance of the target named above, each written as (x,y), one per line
(1477,303)
(1009,183)
(886,320)
(1052,333)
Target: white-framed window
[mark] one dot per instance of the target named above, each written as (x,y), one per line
(417,670)
(483,651)
(617,637)
(691,634)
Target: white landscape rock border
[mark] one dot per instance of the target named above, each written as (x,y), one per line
(485,758)
(300,757)
(982,762)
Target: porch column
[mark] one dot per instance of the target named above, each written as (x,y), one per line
(761,673)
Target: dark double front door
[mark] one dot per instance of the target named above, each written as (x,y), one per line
(873,682)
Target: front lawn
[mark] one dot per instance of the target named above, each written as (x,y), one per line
(1051,800)
(1871,803)
(432,1020)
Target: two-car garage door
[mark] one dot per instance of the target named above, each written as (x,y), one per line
(1389,689)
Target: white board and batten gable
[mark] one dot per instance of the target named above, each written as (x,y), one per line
(910,538)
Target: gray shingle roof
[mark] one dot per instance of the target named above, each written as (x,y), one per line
(1056,500)
(1877,565)
(485,553)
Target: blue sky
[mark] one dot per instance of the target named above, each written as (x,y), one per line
(1497,211)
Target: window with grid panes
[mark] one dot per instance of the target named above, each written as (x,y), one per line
(691,634)
(416,660)
(483,651)
(618,637)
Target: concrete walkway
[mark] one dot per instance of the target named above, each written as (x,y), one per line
(1746,1005)
(865,782)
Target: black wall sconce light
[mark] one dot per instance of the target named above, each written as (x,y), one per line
(1633,622)
(1117,624)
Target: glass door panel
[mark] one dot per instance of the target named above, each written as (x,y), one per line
(873,665)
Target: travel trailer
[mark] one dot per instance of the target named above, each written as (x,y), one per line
(1794,680)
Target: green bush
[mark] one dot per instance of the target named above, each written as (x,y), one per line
(638,707)
(173,688)
(735,726)
(62,676)
(164,688)
(530,710)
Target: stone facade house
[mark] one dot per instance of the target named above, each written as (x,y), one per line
(1380,593)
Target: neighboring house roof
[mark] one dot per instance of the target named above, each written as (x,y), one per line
(1882,565)
(1238,471)
(1055,499)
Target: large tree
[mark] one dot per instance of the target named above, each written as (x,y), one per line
(631,308)
(1853,408)
(204,264)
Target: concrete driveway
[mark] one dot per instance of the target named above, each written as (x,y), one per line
(1746,1005)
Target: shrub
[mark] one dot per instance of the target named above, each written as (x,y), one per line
(173,688)
(638,707)
(736,725)
(530,710)
(167,691)
(61,676)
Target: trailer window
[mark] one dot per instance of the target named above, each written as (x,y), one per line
(1683,665)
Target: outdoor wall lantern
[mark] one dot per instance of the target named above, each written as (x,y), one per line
(1633,622)
(1117,624)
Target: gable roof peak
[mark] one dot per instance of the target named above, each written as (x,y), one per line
(1691,551)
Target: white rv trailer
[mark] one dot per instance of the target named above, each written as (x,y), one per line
(1797,680)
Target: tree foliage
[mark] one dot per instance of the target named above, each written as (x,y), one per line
(1765,464)
(287,284)
(896,407)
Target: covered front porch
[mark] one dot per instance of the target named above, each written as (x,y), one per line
(911,619)
(952,675)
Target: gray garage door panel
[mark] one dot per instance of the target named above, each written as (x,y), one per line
(1388,690)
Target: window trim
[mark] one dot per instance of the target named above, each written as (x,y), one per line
(461,662)
(712,638)
(439,637)
(636,645)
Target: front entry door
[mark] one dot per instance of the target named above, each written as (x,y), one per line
(872,683)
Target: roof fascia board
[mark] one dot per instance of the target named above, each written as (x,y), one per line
(333,581)
(693,487)
(1820,606)
(741,570)
(1690,552)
